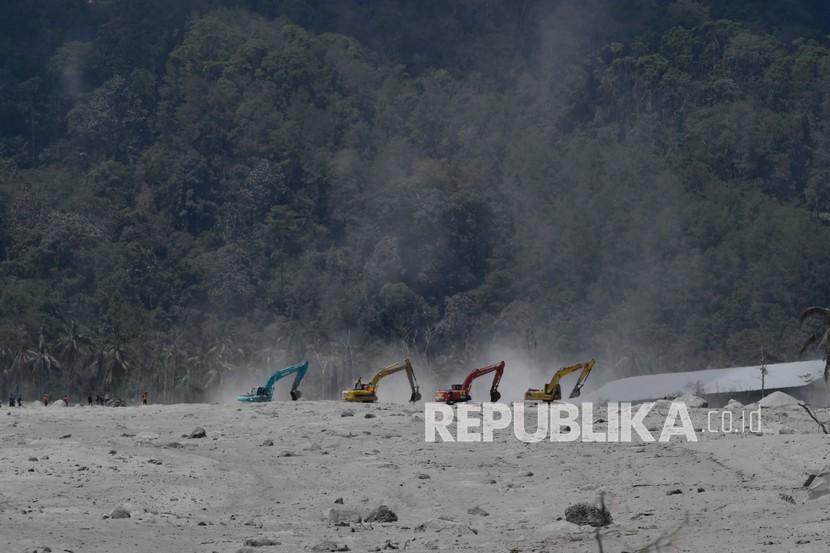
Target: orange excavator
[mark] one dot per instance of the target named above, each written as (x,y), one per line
(461,392)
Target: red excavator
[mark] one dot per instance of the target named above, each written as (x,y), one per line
(461,392)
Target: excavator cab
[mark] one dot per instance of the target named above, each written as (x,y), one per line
(553,389)
(367,393)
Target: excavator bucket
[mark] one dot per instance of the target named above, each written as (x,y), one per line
(296,394)
(416,396)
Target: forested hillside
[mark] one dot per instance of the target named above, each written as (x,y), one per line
(192,189)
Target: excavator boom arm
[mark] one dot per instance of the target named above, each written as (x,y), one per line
(404,365)
(498,368)
(389,369)
(551,387)
(300,370)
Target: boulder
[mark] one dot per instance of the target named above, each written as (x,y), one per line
(198,432)
(382,514)
(120,512)
(477,511)
(585,514)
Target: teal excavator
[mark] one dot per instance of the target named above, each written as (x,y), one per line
(266,393)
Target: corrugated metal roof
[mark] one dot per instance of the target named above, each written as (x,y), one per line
(709,381)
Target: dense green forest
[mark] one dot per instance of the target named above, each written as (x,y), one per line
(194,189)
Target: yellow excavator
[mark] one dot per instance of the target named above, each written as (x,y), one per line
(553,391)
(367,393)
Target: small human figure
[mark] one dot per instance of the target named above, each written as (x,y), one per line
(11,400)
(19,401)
(89,400)
(145,397)
(65,400)
(45,400)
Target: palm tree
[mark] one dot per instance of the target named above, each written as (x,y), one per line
(820,339)
(19,361)
(109,364)
(116,366)
(74,347)
(5,370)
(42,362)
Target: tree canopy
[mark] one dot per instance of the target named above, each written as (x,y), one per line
(190,188)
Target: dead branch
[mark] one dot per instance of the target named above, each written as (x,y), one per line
(813,415)
(663,540)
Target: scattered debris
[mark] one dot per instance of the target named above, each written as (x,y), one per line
(733,404)
(347,413)
(478,511)
(586,514)
(691,400)
(445,525)
(423,476)
(146,438)
(369,416)
(382,514)
(267,443)
(818,484)
(386,546)
(261,542)
(329,545)
(788,498)
(674,492)
(343,517)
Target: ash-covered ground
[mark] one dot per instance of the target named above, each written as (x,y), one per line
(304,476)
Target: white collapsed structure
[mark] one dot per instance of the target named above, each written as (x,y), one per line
(802,379)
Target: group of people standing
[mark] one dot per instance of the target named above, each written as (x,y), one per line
(16,399)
